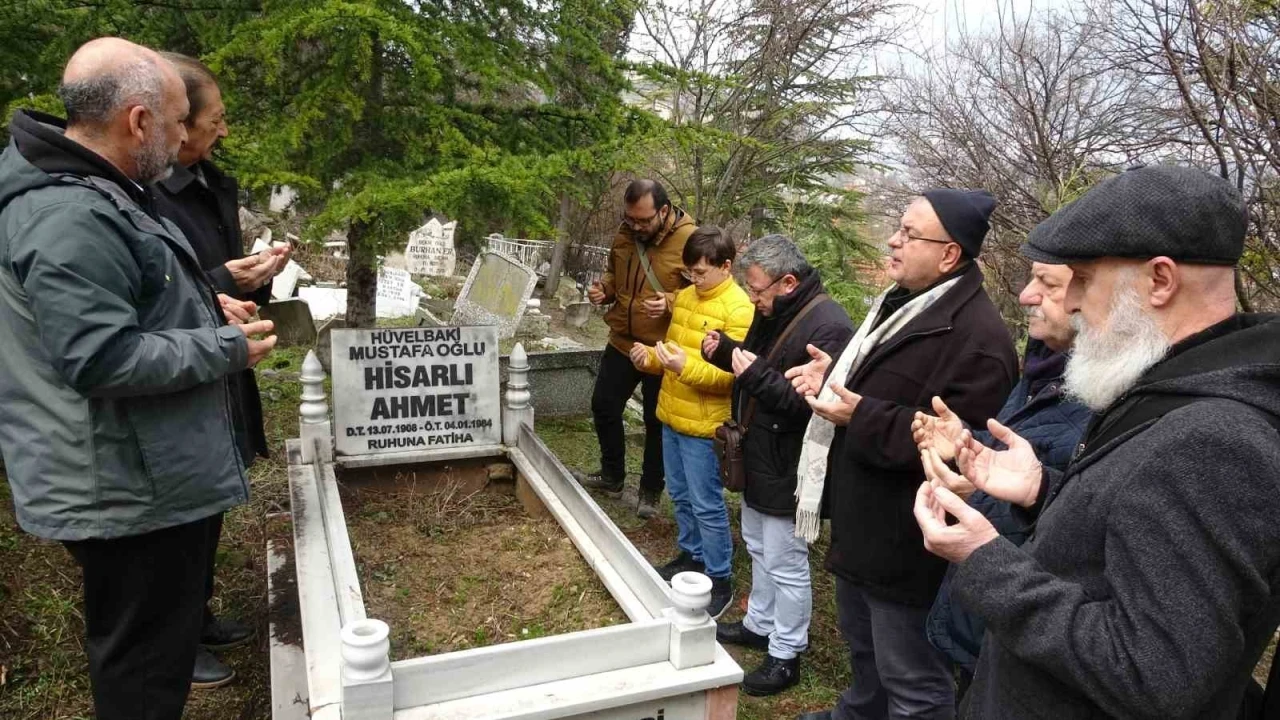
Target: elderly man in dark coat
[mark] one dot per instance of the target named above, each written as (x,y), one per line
(935,332)
(1038,410)
(202,202)
(1151,582)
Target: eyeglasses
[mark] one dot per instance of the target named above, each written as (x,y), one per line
(693,275)
(757,293)
(637,223)
(902,232)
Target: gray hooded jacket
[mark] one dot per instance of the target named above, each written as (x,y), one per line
(114,408)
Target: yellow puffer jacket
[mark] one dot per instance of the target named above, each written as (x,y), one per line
(697,401)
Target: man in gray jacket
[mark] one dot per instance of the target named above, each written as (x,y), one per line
(1151,581)
(114,409)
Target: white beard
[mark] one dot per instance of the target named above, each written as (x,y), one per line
(1105,364)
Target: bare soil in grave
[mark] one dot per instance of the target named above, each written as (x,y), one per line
(451,560)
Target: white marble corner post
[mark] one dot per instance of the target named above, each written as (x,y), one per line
(315,430)
(366,671)
(693,632)
(518,410)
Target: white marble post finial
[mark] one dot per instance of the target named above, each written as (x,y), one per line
(367,683)
(314,408)
(693,632)
(314,430)
(690,595)
(517,410)
(366,650)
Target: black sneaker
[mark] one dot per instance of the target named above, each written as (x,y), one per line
(597,481)
(818,715)
(683,562)
(224,634)
(648,505)
(772,677)
(735,633)
(721,596)
(210,672)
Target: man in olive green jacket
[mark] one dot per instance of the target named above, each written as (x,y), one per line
(653,233)
(114,410)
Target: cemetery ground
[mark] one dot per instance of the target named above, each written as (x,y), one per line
(42,663)
(43,672)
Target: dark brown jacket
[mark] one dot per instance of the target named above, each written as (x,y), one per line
(627,287)
(958,349)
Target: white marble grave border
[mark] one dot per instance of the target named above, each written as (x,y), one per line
(666,657)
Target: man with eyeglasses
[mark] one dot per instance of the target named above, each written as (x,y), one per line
(793,312)
(645,270)
(934,332)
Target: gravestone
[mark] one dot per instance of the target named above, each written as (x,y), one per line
(430,250)
(324,342)
(576,314)
(399,389)
(294,324)
(397,293)
(282,198)
(496,292)
(283,284)
(325,302)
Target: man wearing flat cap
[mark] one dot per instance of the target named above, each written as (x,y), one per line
(1151,582)
(934,332)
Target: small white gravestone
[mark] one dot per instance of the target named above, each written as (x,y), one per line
(397,293)
(283,285)
(398,389)
(324,302)
(282,198)
(430,250)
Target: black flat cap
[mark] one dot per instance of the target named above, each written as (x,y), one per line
(1157,210)
(965,215)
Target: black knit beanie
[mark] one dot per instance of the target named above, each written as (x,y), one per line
(964,214)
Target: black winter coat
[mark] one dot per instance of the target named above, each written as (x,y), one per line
(958,349)
(1151,581)
(772,444)
(210,219)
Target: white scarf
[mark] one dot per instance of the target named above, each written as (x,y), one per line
(812,471)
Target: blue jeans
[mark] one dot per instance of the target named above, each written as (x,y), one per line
(693,481)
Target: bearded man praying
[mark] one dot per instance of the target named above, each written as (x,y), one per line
(1151,582)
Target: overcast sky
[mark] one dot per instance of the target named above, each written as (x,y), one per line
(932,23)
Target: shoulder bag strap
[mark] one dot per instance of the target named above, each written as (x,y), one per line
(648,269)
(750,408)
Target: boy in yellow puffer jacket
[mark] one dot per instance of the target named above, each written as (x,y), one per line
(693,402)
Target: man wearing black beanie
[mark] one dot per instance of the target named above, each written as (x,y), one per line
(934,332)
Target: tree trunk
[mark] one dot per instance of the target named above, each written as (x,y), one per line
(362,279)
(561,252)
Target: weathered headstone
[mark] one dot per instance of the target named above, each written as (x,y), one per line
(282,285)
(294,324)
(397,293)
(398,389)
(576,314)
(495,293)
(282,198)
(325,302)
(430,250)
(324,343)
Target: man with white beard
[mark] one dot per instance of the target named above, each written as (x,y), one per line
(1151,582)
